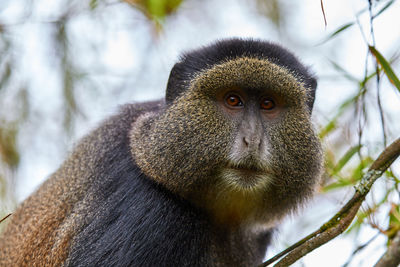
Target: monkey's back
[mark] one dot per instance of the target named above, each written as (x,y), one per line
(99,209)
(40,231)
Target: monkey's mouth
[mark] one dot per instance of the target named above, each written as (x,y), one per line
(246,175)
(252,167)
(248,170)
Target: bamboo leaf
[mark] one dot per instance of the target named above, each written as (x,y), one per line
(358,171)
(346,158)
(336,185)
(331,125)
(156,10)
(383,9)
(341,29)
(366,79)
(355,175)
(386,67)
(328,128)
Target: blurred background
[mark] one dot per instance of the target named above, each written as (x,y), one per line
(65,65)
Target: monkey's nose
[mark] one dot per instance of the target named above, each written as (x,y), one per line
(252,143)
(246,141)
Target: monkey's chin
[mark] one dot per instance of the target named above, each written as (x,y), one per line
(245,179)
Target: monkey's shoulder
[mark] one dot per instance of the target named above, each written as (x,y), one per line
(121,197)
(67,200)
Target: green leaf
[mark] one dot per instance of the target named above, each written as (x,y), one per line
(332,124)
(328,128)
(336,185)
(383,9)
(394,217)
(341,29)
(8,144)
(366,79)
(356,174)
(159,9)
(93,4)
(156,10)
(390,174)
(346,158)
(386,67)
(358,171)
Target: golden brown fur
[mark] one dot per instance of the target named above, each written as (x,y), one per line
(39,232)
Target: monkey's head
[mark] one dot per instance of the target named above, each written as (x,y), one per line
(235,136)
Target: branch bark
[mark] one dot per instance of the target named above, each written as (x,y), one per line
(392,256)
(339,223)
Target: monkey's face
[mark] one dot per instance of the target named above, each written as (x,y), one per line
(242,129)
(252,112)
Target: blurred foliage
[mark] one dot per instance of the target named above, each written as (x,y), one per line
(344,27)
(345,171)
(156,10)
(8,145)
(274,10)
(68,73)
(394,221)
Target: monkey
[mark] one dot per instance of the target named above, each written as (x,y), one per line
(202,177)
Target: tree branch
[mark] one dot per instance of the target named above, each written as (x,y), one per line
(339,223)
(392,256)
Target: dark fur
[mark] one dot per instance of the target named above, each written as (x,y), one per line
(193,62)
(135,222)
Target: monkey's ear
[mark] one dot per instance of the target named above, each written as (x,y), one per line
(176,83)
(311,85)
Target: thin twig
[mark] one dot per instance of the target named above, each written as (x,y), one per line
(323,13)
(378,78)
(359,249)
(5,217)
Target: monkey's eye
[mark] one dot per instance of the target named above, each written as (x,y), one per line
(233,100)
(267,103)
